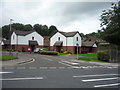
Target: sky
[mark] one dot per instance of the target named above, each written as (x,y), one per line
(65,15)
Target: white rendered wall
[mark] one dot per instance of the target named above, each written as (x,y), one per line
(69,41)
(79,40)
(24,40)
(13,40)
(55,37)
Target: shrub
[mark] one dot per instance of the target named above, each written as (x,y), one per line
(103,55)
(49,52)
(66,52)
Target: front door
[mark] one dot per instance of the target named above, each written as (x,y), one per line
(32,47)
(75,50)
(58,49)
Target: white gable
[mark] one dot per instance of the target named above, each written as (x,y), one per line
(55,37)
(94,45)
(23,40)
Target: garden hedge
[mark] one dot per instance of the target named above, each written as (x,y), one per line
(103,55)
(49,52)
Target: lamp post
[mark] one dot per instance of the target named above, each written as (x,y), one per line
(10,34)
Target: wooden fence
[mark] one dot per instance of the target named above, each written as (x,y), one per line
(114,56)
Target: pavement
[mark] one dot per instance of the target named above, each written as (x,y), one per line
(22,59)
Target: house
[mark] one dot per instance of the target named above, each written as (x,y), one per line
(66,41)
(23,40)
(89,47)
(5,44)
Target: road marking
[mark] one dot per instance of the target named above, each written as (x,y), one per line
(96,75)
(70,62)
(5,72)
(116,84)
(91,80)
(43,67)
(61,67)
(67,64)
(21,67)
(9,68)
(30,78)
(32,67)
(52,67)
(48,59)
(33,60)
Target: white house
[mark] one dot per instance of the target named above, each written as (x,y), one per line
(23,40)
(66,41)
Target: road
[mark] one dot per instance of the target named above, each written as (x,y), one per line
(59,72)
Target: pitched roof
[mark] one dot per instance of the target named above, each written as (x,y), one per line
(6,42)
(68,34)
(58,43)
(33,42)
(88,44)
(23,33)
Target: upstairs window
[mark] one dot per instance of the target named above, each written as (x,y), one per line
(76,38)
(58,38)
(32,38)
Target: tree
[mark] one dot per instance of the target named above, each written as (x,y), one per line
(27,27)
(52,30)
(18,26)
(110,23)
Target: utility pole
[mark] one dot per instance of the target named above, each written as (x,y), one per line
(77,49)
(10,34)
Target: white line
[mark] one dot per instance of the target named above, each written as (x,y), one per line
(91,80)
(96,75)
(69,65)
(31,78)
(5,72)
(116,84)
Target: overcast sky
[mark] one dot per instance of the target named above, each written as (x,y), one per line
(66,16)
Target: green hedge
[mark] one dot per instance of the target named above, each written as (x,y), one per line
(49,52)
(103,55)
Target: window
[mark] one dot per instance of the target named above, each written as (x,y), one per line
(76,38)
(32,38)
(13,37)
(58,38)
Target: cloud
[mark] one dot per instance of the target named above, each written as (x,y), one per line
(67,16)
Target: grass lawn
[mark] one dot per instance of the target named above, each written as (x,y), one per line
(6,57)
(61,54)
(89,57)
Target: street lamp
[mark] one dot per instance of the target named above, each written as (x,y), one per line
(10,33)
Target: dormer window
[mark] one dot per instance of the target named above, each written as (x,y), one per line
(58,38)
(32,38)
(76,38)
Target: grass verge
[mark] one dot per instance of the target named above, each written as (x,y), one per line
(89,57)
(59,54)
(6,57)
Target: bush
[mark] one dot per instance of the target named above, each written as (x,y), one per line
(66,52)
(49,52)
(103,55)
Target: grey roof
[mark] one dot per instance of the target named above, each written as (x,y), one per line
(68,34)
(23,33)
(58,43)
(6,42)
(33,42)
(88,44)
(46,44)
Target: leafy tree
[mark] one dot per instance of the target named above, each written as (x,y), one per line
(52,30)
(111,24)
(27,27)
(18,26)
